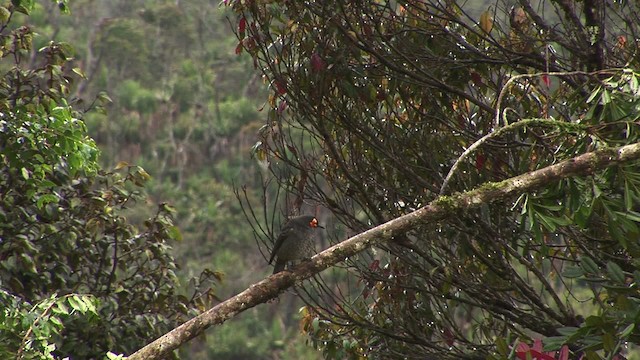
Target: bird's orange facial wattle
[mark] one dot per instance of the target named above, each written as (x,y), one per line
(313,223)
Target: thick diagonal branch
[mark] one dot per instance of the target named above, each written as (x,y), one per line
(439,209)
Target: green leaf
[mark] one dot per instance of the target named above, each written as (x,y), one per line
(628,199)
(548,222)
(174,233)
(627,331)
(502,347)
(55,321)
(112,356)
(28,263)
(616,230)
(608,343)
(633,84)
(594,94)
(568,330)
(120,165)
(68,51)
(588,265)
(572,272)
(4,14)
(605,97)
(46,199)
(596,191)
(553,343)
(77,303)
(631,215)
(581,217)
(615,272)
(104,98)
(60,309)
(594,321)
(143,174)
(79,72)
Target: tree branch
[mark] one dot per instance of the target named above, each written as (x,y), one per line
(439,209)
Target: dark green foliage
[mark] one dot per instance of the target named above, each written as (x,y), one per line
(77,242)
(28,329)
(64,240)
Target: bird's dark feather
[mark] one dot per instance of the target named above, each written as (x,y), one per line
(283,235)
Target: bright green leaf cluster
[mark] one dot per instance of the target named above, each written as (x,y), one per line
(28,329)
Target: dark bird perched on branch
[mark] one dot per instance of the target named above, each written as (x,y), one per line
(296,241)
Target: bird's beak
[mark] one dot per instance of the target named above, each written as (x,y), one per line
(314,224)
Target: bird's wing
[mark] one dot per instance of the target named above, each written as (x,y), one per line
(283,235)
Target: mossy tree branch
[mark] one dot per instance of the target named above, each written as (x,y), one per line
(439,209)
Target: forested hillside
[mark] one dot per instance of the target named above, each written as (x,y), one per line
(186,108)
(159,85)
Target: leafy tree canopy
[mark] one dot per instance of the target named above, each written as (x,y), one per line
(66,248)
(379,107)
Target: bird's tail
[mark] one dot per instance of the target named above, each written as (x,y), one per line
(279,266)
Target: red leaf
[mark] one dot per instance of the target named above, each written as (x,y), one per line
(282,106)
(249,43)
(448,337)
(564,353)
(375,265)
(535,353)
(317,63)
(367,29)
(239,48)
(522,348)
(546,80)
(281,87)
(537,345)
(476,78)
(242,26)
(542,356)
(480,160)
